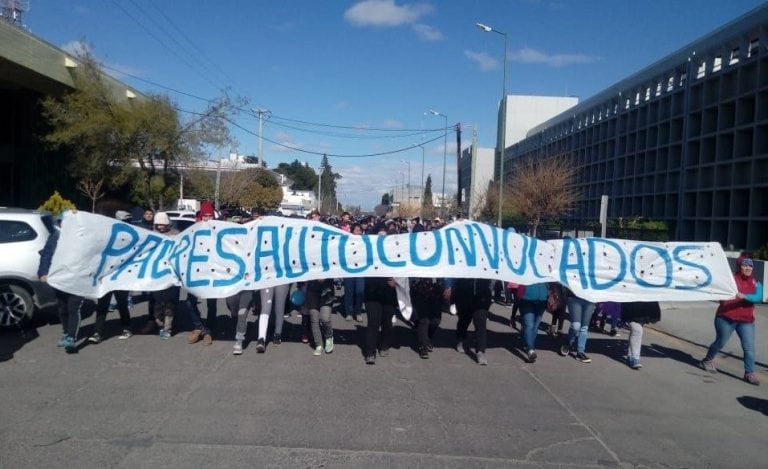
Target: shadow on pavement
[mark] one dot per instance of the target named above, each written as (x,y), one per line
(754,403)
(12,341)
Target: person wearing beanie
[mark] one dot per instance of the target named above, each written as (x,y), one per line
(738,315)
(200,330)
(167,299)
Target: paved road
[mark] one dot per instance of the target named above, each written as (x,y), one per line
(145,402)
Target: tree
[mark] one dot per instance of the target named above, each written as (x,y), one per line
(303,177)
(94,190)
(385,199)
(542,189)
(427,206)
(254,188)
(199,184)
(141,142)
(328,178)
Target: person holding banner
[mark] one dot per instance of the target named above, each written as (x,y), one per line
(202,331)
(166,300)
(635,314)
(533,302)
(354,289)
(380,307)
(319,300)
(426,298)
(70,305)
(581,311)
(473,298)
(239,305)
(273,299)
(738,315)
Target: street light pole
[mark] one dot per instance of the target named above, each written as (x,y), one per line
(445,147)
(409,180)
(503,142)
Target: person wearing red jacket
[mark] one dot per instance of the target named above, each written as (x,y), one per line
(738,314)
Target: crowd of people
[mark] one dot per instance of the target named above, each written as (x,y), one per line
(375,298)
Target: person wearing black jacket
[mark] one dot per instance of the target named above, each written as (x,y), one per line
(473,298)
(380,307)
(70,306)
(426,299)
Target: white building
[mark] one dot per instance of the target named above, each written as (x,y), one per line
(296,202)
(523,113)
(475,172)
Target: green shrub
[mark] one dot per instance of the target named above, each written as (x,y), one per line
(56,204)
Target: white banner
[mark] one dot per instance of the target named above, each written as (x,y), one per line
(96,255)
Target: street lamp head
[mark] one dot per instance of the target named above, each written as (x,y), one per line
(483,27)
(434,113)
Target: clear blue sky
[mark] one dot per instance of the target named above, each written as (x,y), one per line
(374,64)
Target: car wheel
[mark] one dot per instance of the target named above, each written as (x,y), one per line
(16,306)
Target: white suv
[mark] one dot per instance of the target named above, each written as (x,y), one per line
(22,236)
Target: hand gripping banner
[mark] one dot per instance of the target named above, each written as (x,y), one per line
(96,255)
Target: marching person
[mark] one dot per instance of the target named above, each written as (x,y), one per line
(202,331)
(532,301)
(635,315)
(738,315)
(272,300)
(239,306)
(426,298)
(70,306)
(380,307)
(581,312)
(319,302)
(121,298)
(354,289)
(473,298)
(166,300)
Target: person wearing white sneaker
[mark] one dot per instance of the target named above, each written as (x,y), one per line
(273,299)
(239,306)
(635,314)
(320,296)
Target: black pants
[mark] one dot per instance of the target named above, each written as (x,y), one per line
(211,308)
(478,317)
(428,317)
(70,307)
(102,307)
(379,317)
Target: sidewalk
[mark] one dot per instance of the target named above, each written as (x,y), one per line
(694,323)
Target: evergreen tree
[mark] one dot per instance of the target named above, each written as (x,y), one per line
(427,207)
(328,200)
(304,178)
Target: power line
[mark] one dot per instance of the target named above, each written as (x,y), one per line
(156,38)
(200,52)
(368,155)
(248,112)
(352,136)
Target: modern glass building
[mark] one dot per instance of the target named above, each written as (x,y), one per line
(684,140)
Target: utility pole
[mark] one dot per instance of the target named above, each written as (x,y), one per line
(218,183)
(260,114)
(472,196)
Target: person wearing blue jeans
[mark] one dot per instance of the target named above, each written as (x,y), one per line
(738,314)
(580,311)
(353,297)
(354,289)
(532,302)
(724,328)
